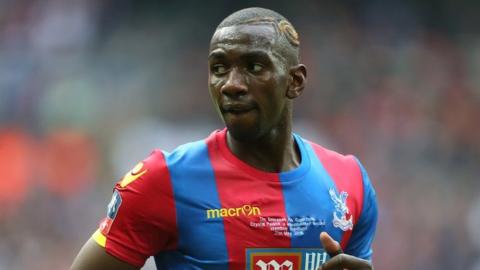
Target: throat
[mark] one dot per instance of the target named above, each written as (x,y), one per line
(272,155)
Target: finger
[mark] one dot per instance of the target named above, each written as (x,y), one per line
(343,261)
(331,246)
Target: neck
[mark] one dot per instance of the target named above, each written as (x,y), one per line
(275,151)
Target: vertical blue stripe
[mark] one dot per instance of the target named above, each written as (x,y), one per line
(307,198)
(201,241)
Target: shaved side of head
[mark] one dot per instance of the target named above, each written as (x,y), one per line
(287,43)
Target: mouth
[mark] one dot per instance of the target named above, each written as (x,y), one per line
(236,108)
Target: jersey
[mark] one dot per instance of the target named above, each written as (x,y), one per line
(200,207)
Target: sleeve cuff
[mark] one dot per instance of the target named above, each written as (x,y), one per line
(118,251)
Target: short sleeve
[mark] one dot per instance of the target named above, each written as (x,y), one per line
(360,244)
(140,219)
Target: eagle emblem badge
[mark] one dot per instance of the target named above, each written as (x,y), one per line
(340,219)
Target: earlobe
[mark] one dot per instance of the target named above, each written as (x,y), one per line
(298,79)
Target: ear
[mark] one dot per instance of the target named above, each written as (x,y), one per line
(298,79)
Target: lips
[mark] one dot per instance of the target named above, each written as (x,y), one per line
(237,108)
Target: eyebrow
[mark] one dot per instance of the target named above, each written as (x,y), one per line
(250,54)
(257,54)
(216,54)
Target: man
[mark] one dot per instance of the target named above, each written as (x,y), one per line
(251,196)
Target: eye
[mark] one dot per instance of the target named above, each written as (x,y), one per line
(219,69)
(255,67)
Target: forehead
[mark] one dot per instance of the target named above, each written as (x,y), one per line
(262,36)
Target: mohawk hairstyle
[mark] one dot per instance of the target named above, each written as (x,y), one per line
(256,15)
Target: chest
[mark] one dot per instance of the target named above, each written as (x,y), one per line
(230,220)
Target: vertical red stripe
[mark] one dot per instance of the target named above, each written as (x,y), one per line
(347,176)
(162,191)
(238,186)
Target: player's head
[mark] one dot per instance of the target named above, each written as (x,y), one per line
(254,71)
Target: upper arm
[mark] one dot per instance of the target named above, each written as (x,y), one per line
(94,257)
(360,243)
(140,219)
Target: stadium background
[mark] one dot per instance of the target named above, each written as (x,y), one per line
(88,88)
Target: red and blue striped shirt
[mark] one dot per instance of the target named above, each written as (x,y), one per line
(200,207)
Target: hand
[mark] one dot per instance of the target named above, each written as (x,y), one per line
(338,259)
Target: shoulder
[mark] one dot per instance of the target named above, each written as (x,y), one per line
(346,173)
(345,169)
(334,161)
(186,152)
(157,166)
(151,167)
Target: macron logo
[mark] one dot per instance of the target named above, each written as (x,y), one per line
(245,211)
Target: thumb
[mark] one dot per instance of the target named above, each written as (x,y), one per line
(331,246)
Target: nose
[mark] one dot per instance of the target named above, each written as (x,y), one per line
(235,86)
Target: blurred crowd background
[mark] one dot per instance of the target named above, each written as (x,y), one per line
(90,87)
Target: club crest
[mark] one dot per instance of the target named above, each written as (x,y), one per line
(341,210)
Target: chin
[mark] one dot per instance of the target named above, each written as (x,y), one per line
(243,134)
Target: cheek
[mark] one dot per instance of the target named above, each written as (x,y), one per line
(214,86)
(278,82)
(277,96)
